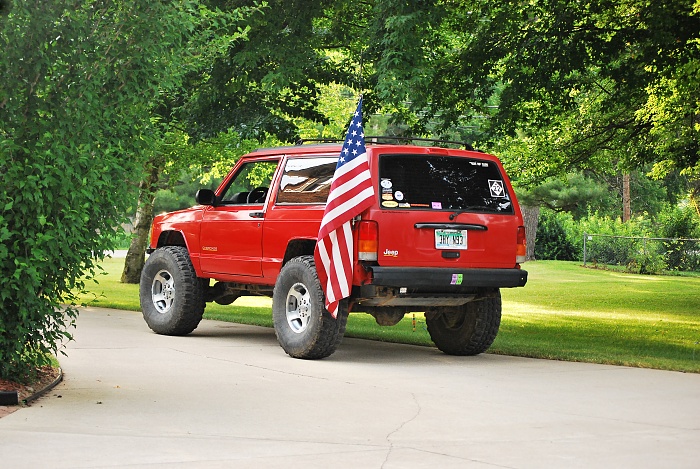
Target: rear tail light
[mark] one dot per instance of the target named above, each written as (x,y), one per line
(521,247)
(367,240)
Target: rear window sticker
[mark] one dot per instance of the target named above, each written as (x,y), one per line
(436,205)
(388,196)
(398,195)
(457,279)
(496,188)
(404,205)
(420,205)
(390,203)
(386,183)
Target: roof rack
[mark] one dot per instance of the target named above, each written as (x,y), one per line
(302,141)
(376,140)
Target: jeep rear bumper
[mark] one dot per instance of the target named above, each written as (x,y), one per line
(399,286)
(447,280)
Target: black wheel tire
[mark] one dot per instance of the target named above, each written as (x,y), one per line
(467,330)
(172,297)
(304,328)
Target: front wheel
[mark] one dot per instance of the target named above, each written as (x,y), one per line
(466,330)
(172,297)
(304,328)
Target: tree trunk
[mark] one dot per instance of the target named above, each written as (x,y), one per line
(626,201)
(695,195)
(530,218)
(136,255)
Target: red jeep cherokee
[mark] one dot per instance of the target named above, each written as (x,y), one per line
(444,235)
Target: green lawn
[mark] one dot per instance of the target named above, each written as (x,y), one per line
(565,312)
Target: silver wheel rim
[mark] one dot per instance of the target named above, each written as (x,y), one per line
(298,306)
(163,291)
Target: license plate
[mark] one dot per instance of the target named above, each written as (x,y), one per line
(450,239)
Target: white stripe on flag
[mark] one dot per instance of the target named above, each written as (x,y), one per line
(342,250)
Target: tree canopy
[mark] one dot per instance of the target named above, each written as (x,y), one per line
(566,83)
(263,81)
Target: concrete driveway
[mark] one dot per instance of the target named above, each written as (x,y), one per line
(228,396)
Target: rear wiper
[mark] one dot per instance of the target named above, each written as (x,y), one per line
(470,208)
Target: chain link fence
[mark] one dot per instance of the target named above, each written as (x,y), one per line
(641,254)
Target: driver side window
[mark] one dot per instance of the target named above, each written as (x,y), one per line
(250,184)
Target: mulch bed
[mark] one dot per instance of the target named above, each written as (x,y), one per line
(46,376)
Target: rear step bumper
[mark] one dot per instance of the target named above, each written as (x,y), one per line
(446,280)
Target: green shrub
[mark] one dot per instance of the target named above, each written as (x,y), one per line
(76,79)
(682,223)
(554,241)
(636,246)
(620,244)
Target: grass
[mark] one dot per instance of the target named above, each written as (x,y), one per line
(566,312)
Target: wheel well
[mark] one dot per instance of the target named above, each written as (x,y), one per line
(171,238)
(299,247)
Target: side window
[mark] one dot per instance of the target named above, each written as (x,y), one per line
(307,180)
(250,184)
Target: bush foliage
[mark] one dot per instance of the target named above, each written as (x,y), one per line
(77,81)
(641,245)
(554,241)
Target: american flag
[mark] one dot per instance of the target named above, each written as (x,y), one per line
(350,194)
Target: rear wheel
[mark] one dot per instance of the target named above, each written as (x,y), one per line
(304,328)
(469,329)
(172,297)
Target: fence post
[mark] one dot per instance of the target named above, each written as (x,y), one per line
(585,235)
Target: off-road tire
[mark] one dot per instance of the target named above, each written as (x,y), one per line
(172,297)
(466,330)
(304,328)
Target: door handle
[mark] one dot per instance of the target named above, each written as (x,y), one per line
(256,214)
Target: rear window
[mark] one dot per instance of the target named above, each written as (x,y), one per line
(442,183)
(307,180)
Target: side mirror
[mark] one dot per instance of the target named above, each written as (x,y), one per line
(205,197)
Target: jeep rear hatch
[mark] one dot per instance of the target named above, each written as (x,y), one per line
(445,211)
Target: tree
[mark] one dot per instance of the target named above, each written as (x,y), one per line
(553,87)
(173,159)
(77,78)
(590,84)
(260,79)
(571,193)
(565,86)
(257,86)
(210,33)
